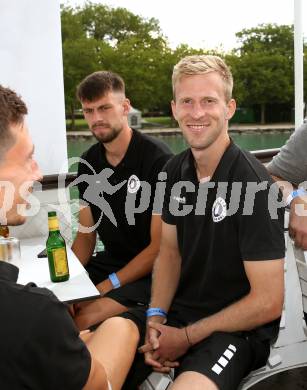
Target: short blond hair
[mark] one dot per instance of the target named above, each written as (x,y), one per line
(203,64)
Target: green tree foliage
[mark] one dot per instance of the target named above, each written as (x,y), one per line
(264,66)
(79,56)
(143,69)
(115,25)
(120,41)
(239,91)
(97,37)
(269,38)
(266,80)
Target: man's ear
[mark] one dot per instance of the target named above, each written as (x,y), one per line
(173,105)
(231,109)
(127,106)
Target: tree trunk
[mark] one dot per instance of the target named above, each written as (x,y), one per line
(262,113)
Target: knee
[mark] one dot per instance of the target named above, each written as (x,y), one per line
(123,327)
(193,380)
(81,322)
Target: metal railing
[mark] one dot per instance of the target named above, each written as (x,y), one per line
(52,181)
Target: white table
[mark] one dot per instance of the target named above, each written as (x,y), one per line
(79,287)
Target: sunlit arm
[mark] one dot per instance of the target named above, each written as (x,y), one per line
(167,268)
(298,214)
(84,243)
(261,305)
(142,264)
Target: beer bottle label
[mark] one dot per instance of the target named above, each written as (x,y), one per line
(60,261)
(53,224)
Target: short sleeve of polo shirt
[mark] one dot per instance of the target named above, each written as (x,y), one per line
(291,162)
(54,357)
(158,176)
(167,215)
(260,228)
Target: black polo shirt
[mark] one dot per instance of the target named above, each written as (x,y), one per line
(40,348)
(213,243)
(144,159)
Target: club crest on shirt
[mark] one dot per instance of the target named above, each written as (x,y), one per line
(133,184)
(219,209)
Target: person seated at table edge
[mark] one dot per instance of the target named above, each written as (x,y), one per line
(110,175)
(289,169)
(218,282)
(41,347)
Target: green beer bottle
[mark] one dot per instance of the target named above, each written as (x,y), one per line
(56,251)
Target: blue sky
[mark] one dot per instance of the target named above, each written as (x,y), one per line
(208,24)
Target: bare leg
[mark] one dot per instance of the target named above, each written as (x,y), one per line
(193,381)
(92,312)
(114,344)
(97,379)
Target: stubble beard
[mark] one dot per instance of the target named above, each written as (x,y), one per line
(205,144)
(110,136)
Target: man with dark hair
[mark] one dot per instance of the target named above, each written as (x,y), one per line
(123,162)
(40,347)
(17,110)
(98,84)
(12,128)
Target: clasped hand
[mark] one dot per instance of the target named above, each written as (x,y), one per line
(163,346)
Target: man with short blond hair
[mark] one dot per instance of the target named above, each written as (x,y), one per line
(217,290)
(200,64)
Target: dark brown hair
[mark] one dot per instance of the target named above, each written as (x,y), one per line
(12,112)
(98,84)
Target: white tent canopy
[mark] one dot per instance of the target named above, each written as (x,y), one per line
(31,64)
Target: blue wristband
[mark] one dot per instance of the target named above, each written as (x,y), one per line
(114,280)
(295,194)
(156,311)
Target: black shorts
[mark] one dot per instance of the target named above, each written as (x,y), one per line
(132,294)
(225,358)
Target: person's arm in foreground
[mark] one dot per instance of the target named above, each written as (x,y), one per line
(298,213)
(57,356)
(261,305)
(141,265)
(97,379)
(110,361)
(84,243)
(290,166)
(63,358)
(166,276)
